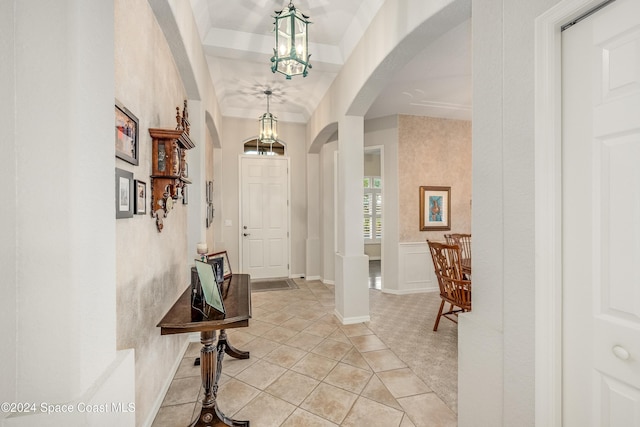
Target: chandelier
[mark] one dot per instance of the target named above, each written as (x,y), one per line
(268,125)
(291,52)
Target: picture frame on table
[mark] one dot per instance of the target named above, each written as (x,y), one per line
(435,208)
(141,197)
(125,197)
(126,134)
(210,286)
(221,258)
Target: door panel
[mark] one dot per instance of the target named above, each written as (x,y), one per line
(265,217)
(620,402)
(601,218)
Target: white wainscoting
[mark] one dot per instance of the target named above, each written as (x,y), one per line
(415,267)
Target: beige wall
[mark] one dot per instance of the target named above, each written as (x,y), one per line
(433,152)
(151,267)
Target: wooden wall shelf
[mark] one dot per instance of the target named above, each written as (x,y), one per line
(170,174)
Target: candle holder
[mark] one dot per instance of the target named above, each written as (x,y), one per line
(202,249)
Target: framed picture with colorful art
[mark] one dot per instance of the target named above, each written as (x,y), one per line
(435,208)
(126,128)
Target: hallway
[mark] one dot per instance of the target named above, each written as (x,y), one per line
(307,369)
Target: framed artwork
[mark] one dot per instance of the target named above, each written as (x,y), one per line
(185,195)
(221,258)
(141,197)
(210,211)
(209,191)
(126,127)
(125,198)
(209,197)
(435,208)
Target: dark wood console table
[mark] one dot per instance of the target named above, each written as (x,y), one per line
(182,318)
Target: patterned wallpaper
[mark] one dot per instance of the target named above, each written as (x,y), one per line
(433,152)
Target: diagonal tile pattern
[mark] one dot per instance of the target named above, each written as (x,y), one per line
(306,369)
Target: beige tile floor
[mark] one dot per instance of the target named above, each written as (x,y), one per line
(306,369)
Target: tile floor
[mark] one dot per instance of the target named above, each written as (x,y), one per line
(306,369)
(375,274)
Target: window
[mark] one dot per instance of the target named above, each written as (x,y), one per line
(372,208)
(255,147)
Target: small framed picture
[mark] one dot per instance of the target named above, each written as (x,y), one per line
(185,195)
(125,198)
(220,258)
(435,208)
(126,127)
(141,197)
(210,211)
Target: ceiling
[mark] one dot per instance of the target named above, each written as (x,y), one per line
(237,38)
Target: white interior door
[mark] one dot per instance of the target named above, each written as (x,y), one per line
(601,218)
(265,216)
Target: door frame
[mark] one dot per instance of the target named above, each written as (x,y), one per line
(240,202)
(548,208)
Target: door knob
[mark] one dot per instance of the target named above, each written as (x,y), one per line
(620,352)
(246,234)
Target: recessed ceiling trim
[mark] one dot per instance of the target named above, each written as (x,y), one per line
(241,45)
(435,104)
(238,40)
(283,116)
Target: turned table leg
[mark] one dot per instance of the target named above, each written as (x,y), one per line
(211,415)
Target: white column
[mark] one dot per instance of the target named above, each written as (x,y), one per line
(64,215)
(481,340)
(352,265)
(8,208)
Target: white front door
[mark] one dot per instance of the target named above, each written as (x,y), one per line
(265,216)
(601,218)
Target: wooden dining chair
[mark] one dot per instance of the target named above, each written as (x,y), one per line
(464,241)
(454,288)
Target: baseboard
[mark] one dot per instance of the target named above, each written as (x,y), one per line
(328,282)
(165,387)
(296,276)
(351,320)
(313,278)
